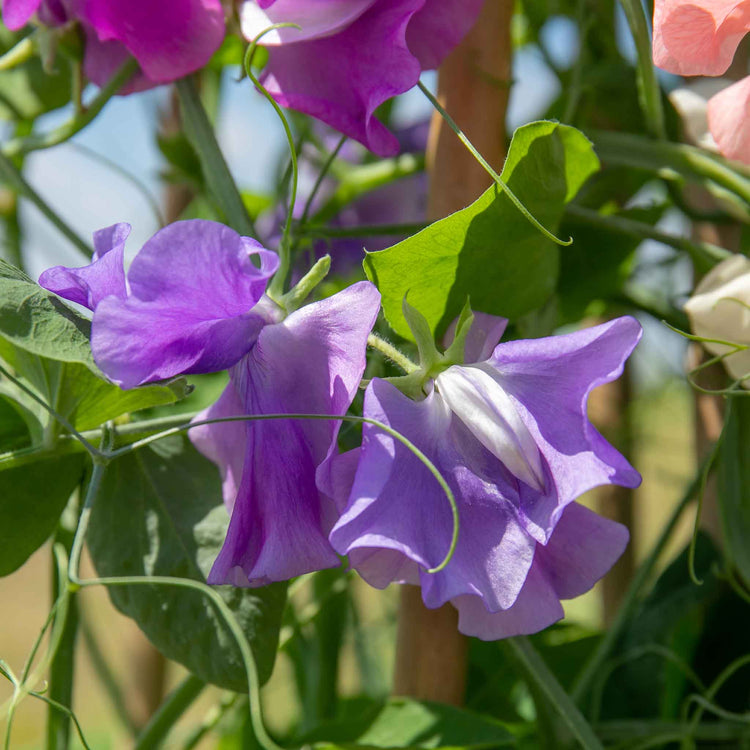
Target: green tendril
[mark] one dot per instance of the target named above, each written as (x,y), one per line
(276,288)
(490,171)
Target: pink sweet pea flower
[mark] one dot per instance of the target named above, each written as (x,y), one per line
(350,56)
(168,38)
(729,120)
(698,37)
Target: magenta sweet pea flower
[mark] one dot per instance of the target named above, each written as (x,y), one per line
(193,301)
(510,434)
(168,38)
(350,56)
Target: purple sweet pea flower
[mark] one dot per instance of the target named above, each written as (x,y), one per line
(193,301)
(168,38)
(510,434)
(350,56)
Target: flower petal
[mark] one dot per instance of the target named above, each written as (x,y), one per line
(169,38)
(103,277)
(729,120)
(484,335)
(344,78)
(549,380)
(396,504)
(224,443)
(17,13)
(478,400)
(315,19)
(698,37)
(279,523)
(193,287)
(438,27)
(720,309)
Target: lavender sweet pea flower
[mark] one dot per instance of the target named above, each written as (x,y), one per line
(193,301)
(168,38)
(510,434)
(350,56)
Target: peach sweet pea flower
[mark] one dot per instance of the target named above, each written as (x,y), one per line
(700,37)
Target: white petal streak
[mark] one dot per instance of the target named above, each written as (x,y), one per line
(480,402)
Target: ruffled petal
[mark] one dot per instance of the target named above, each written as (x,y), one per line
(537,607)
(314,18)
(193,287)
(396,504)
(224,443)
(344,78)
(698,37)
(169,38)
(17,13)
(729,120)
(279,524)
(103,277)
(484,335)
(549,379)
(438,27)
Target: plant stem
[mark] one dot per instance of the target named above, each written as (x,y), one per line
(219,179)
(62,668)
(388,350)
(539,677)
(173,707)
(636,151)
(35,142)
(11,175)
(705,255)
(649,92)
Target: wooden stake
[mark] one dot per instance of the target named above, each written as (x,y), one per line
(473,86)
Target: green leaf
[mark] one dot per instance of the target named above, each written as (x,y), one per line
(159,512)
(489,251)
(734,485)
(30,505)
(407,723)
(14,432)
(36,321)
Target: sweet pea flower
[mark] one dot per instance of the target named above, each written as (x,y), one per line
(510,434)
(350,56)
(193,301)
(720,309)
(168,38)
(700,37)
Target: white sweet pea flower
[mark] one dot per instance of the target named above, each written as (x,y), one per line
(720,309)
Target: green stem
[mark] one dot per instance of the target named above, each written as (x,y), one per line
(62,668)
(591,669)
(277,285)
(11,175)
(173,707)
(636,151)
(363,230)
(705,255)
(391,352)
(19,54)
(490,171)
(219,179)
(649,92)
(319,180)
(539,676)
(78,122)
